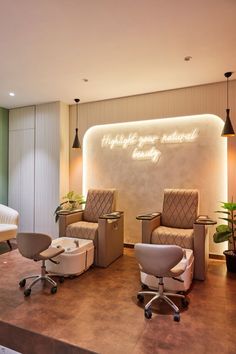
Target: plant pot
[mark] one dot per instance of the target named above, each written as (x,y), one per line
(230,257)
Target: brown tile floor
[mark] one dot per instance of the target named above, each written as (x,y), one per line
(98,311)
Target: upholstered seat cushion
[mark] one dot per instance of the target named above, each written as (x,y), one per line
(83,229)
(7,231)
(163,235)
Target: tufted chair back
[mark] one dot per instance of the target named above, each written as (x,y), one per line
(98,202)
(180,208)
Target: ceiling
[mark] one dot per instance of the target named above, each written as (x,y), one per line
(122,48)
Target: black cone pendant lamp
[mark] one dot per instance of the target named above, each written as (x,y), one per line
(228,129)
(76,143)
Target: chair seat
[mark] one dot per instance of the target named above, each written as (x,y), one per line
(163,235)
(83,229)
(7,231)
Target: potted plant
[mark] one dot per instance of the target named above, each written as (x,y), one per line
(228,233)
(72,201)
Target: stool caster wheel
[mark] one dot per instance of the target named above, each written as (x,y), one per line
(53,290)
(140,298)
(22,283)
(184,303)
(148,313)
(61,280)
(144,287)
(27,292)
(176,317)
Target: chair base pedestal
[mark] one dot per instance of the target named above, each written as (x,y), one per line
(42,277)
(162,295)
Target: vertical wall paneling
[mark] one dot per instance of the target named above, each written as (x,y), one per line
(38,164)
(47,145)
(64,150)
(51,163)
(3,155)
(21,165)
(201,99)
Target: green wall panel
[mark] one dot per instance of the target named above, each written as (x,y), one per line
(4,113)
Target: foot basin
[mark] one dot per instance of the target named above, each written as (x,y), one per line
(77,258)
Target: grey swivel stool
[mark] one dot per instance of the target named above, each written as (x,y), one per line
(36,246)
(161,261)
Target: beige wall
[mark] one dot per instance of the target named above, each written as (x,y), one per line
(181,102)
(187,101)
(184,152)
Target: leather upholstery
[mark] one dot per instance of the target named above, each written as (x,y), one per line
(180,208)
(107,234)
(160,260)
(87,230)
(172,236)
(98,203)
(34,245)
(176,226)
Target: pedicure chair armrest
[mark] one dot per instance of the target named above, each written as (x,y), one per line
(67,219)
(201,245)
(205,220)
(149,223)
(114,215)
(110,239)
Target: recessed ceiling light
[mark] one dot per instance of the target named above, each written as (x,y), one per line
(188,58)
(11,94)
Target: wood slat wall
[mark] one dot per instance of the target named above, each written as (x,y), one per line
(209,98)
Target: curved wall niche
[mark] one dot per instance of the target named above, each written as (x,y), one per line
(140,159)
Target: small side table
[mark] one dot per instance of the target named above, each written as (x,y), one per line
(148,216)
(205,220)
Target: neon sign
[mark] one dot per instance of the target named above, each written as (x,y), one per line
(140,143)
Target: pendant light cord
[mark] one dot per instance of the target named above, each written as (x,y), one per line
(77,118)
(227,75)
(227,90)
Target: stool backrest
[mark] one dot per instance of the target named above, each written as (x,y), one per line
(31,244)
(157,260)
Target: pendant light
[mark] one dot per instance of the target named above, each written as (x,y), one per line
(228,129)
(76,143)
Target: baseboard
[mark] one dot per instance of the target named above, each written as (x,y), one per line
(211,255)
(128,245)
(216,256)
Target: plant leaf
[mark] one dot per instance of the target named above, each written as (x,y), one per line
(229,220)
(223,228)
(70,194)
(57,209)
(229,206)
(222,211)
(221,236)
